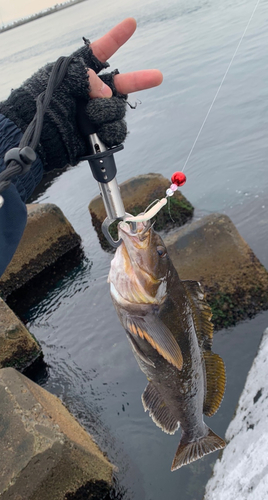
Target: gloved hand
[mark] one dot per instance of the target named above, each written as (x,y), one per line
(61,142)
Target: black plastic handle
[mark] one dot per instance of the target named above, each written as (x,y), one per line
(85,126)
(103,165)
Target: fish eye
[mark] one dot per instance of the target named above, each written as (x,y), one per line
(161,251)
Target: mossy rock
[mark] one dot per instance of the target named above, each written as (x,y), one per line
(230,308)
(211,251)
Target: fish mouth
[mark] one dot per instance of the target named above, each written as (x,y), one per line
(137,232)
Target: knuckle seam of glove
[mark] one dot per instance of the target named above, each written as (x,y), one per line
(89,59)
(108,78)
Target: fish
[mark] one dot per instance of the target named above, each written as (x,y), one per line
(168,324)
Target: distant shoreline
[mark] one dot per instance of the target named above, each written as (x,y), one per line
(43,13)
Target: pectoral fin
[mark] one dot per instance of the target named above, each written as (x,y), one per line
(152,329)
(138,353)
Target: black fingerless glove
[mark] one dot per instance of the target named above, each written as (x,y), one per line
(107,114)
(61,142)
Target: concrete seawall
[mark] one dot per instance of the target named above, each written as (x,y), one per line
(242,471)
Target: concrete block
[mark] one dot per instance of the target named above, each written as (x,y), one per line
(18,348)
(211,251)
(48,235)
(44,452)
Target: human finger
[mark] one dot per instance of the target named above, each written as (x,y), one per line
(97,87)
(126,83)
(107,45)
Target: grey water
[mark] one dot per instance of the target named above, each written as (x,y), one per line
(90,364)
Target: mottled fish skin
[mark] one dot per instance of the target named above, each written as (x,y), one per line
(168,325)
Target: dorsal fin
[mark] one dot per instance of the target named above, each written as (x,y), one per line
(201,313)
(215,382)
(214,366)
(158,410)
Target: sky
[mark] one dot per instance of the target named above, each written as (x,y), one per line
(16,9)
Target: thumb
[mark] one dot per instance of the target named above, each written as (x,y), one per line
(97,87)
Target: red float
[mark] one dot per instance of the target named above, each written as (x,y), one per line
(178,178)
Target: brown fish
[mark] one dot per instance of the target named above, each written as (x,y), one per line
(167,322)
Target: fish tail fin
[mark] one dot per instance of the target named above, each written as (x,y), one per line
(189,451)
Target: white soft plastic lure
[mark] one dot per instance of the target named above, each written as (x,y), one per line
(149,214)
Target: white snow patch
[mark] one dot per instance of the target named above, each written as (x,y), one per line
(242,471)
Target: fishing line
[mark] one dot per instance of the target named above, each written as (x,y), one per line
(220,86)
(169,211)
(179,178)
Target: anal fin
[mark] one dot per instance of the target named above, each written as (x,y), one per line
(158,410)
(215,382)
